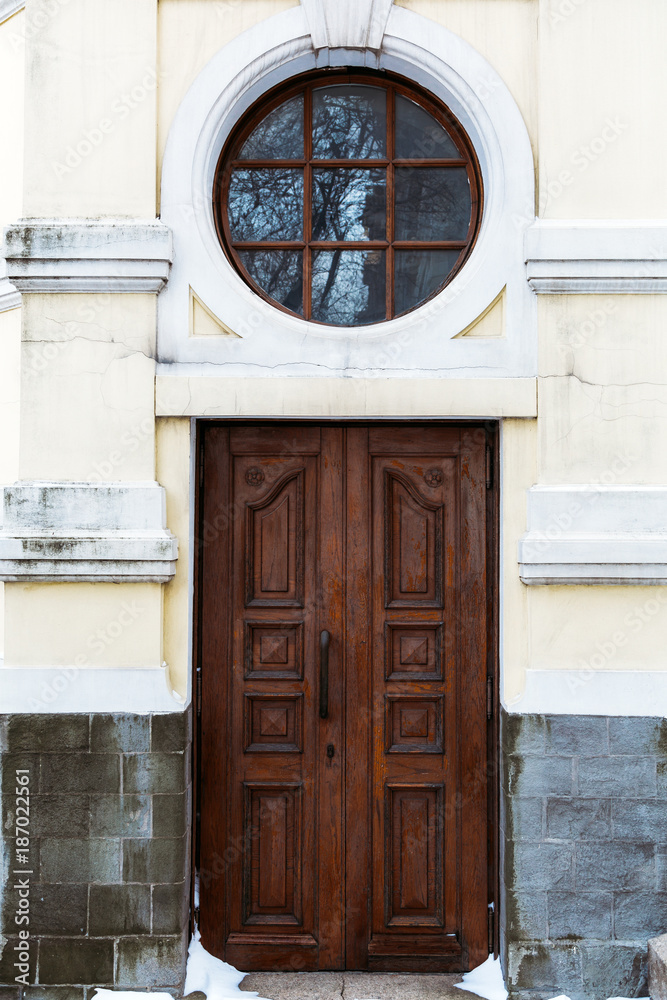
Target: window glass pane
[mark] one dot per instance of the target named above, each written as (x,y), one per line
(349,287)
(432,203)
(349,122)
(418,273)
(419,136)
(279,136)
(266,205)
(279,273)
(349,204)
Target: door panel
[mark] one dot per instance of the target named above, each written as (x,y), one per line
(358,840)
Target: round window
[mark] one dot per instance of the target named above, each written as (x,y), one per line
(348,199)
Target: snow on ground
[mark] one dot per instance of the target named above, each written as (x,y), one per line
(485,981)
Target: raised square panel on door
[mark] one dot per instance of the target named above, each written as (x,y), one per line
(413,545)
(273,723)
(413,652)
(272,853)
(275,542)
(273,651)
(413,723)
(413,855)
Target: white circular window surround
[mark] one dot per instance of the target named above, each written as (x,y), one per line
(426,340)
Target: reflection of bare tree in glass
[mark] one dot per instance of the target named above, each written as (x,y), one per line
(349,122)
(279,136)
(266,204)
(279,273)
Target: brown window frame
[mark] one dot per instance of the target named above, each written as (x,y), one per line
(305,84)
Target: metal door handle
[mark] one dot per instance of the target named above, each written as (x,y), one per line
(324,673)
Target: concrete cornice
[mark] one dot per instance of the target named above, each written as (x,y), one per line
(88,255)
(597,256)
(347,24)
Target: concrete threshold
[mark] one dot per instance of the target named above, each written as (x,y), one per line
(353,986)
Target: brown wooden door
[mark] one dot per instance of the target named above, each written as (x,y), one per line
(356,840)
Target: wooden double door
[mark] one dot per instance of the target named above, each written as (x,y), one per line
(343,639)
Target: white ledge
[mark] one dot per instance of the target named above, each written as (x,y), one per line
(593,256)
(593,692)
(88,255)
(106,532)
(10,7)
(595,534)
(87,689)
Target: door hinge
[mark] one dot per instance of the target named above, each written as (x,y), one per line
(198,693)
(489,467)
(492,928)
(489,697)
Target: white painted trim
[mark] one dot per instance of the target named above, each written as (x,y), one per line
(425,341)
(10,7)
(593,692)
(593,256)
(58,690)
(112,532)
(179,395)
(88,255)
(351,24)
(595,534)
(9,297)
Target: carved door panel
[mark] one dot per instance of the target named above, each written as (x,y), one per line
(351,834)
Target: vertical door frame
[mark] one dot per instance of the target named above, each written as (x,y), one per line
(490,429)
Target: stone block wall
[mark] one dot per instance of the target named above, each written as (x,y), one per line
(110,803)
(583,853)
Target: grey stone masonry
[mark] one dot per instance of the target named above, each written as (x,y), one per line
(583,853)
(105,881)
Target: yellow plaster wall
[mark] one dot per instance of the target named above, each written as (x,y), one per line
(173,470)
(602,62)
(87,402)
(91,108)
(84,624)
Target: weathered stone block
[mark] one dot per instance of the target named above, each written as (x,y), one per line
(48,732)
(607,866)
(539,866)
(170,816)
(534,777)
(526,915)
(576,735)
(54,993)
(615,970)
(90,772)
(89,962)
(657,967)
(617,777)
(59,909)
(523,818)
(556,968)
(170,732)
(521,734)
(120,733)
(120,816)
(23,760)
(154,860)
(80,860)
(639,914)
(154,772)
(640,820)
(579,819)
(151,962)
(638,737)
(9,955)
(120,909)
(576,915)
(60,816)
(171,907)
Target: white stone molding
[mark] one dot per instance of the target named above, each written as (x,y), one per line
(10,7)
(57,690)
(271,342)
(596,256)
(595,534)
(593,692)
(351,24)
(87,255)
(10,298)
(96,532)
(179,395)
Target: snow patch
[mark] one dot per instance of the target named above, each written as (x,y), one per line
(486,981)
(212,976)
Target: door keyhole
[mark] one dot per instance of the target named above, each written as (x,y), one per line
(330,750)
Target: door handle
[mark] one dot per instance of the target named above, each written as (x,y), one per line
(325,637)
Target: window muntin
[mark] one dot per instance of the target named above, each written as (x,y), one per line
(348,200)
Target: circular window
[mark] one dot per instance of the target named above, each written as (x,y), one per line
(348,199)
